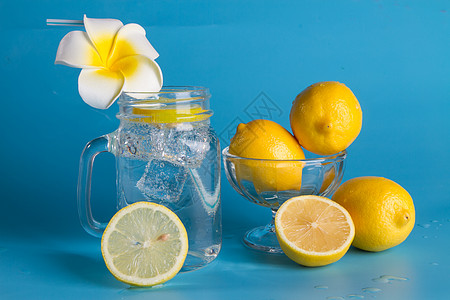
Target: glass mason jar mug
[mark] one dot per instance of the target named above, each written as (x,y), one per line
(166,152)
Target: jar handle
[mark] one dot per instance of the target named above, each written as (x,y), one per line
(90,151)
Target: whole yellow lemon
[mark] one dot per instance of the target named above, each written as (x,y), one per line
(265,139)
(382,211)
(326,117)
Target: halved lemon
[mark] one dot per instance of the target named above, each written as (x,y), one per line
(314,231)
(144,244)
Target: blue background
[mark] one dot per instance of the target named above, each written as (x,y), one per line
(392,54)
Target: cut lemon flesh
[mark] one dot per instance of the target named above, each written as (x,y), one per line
(144,244)
(313,230)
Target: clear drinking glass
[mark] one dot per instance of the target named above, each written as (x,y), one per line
(166,152)
(270,183)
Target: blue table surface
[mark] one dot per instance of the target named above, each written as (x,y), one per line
(255,56)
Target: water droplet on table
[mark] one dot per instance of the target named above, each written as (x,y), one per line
(371,290)
(434,264)
(335,298)
(424,225)
(321,287)
(355,296)
(388,279)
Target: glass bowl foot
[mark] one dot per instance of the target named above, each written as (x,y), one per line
(263,239)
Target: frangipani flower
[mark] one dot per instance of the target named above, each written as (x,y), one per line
(113,58)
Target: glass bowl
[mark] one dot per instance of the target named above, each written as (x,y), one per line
(270,183)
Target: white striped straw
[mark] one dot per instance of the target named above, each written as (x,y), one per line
(63,22)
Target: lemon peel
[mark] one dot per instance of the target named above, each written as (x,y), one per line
(114,58)
(269,144)
(326,117)
(382,210)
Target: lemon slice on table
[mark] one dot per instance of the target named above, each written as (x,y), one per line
(144,244)
(314,231)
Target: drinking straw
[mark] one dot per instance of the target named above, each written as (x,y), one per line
(63,22)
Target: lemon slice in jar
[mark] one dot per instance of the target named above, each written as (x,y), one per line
(144,244)
(180,114)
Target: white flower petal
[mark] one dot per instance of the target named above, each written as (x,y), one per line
(100,88)
(141,74)
(102,33)
(131,40)
(76,50)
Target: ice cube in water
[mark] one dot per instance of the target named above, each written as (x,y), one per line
(163,182)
